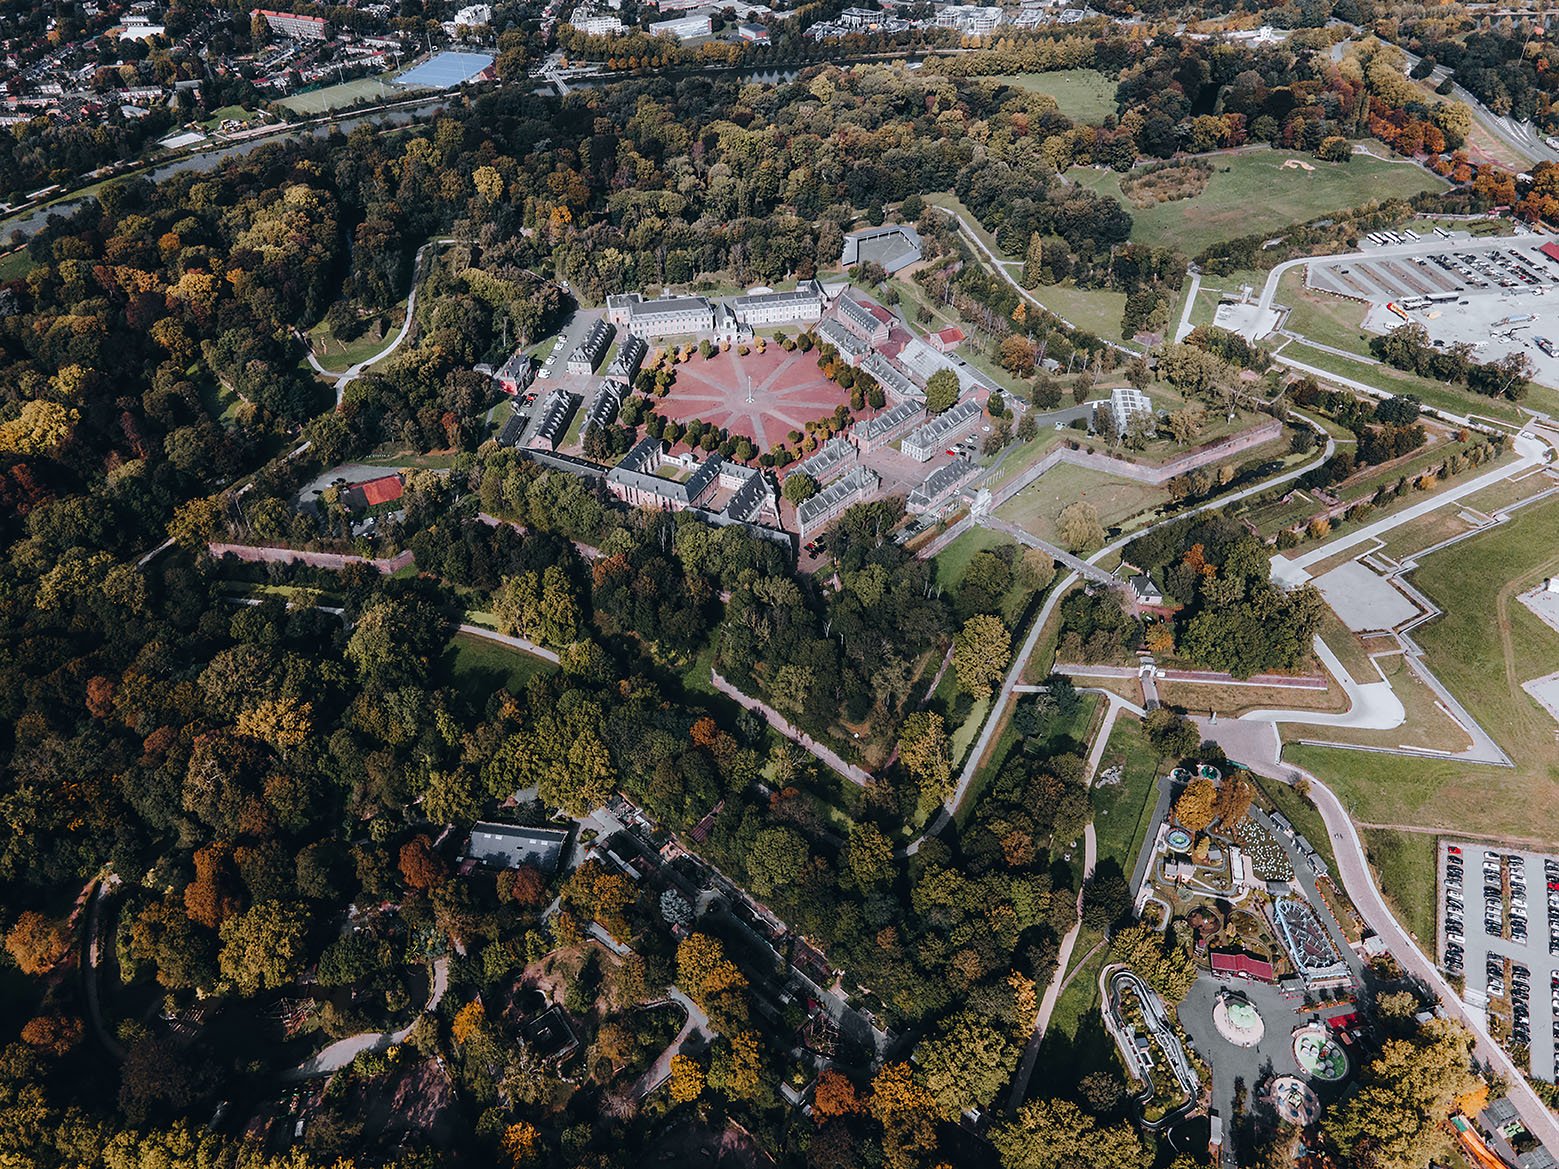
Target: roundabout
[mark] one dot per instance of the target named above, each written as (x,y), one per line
(1318,1055)
(1237,1020)
(1294,1101)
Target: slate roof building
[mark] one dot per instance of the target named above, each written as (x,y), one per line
(779,308)
(939,487)
(552,418)
(511,846)
(878,431)
(928,441)
(892,246)
(830,459)
(591,348)
(831,502)
(515,375)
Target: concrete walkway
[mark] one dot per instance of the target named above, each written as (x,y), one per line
(1056,553)
(1047,1004)
(1373,706)
(697,1024)
(783,725)
(343,1051)
(1183,329)
(352,373)
(519,643)
(1291,570)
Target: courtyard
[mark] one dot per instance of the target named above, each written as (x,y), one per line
(764,395)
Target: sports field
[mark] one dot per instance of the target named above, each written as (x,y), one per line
(339,97)
(1084,95)
(1252,192)
(1483,648)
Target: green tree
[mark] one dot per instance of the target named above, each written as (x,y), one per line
(1079,527)
(263,948)
(776,859)
(965,1064)
(1057,1134)
(799,487)
(1172,735)
(925,751)
(981,653)
(941,390)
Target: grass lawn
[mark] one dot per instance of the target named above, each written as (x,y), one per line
(1330,320)
(1035,507)
(1432,393)
(953,561)
(339,356)
(476,667)
(1251,192)
(1405,864)
(16,264)
(1483,648)
(1096,309)
(1120,810)
(1084,95)
(348,93)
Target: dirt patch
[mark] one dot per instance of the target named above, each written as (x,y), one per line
(1166,183)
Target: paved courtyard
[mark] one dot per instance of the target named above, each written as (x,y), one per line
(787,392)
(1365,600)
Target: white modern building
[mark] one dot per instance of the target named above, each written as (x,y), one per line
(474,16)
(970,20)
(1126,404)
(683,28)
(596,24)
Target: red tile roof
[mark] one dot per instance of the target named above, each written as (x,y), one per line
(383,490)
(951,335)
(1550,250)
(1234,962)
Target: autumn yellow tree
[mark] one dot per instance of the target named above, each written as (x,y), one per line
(834,1096)
(1194,808)
(521,1143)
(468,1021)
(687,1079)
(36,942)
(284,723)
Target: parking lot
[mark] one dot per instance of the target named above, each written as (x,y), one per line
(1498,295)
(1507,948)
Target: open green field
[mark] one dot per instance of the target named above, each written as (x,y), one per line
(478,667)
(15,265)
(1483,648)
(1084,95)
(339,356)
(338,97)
(953,561)
(1121,810)
(1251,192)
(1405,863)
(1035,507)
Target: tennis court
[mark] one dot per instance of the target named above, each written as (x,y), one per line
(447,70)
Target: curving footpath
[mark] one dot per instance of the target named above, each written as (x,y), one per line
(1372,706)
(343,1051)
(352,373)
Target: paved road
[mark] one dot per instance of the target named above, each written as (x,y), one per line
(1183,330)
(342,380)
(343,1051)
(92,937)
(1519,136)
(518,643)
(697,1023)
(1372,706)
(1290,570)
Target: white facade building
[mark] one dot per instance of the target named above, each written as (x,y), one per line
(970,20)
(596,24)
(1127,403)
(683,28)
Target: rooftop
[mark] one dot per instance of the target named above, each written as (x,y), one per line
(510,846)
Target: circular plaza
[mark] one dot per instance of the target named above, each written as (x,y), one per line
(1237,1020)
(1318,1054)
